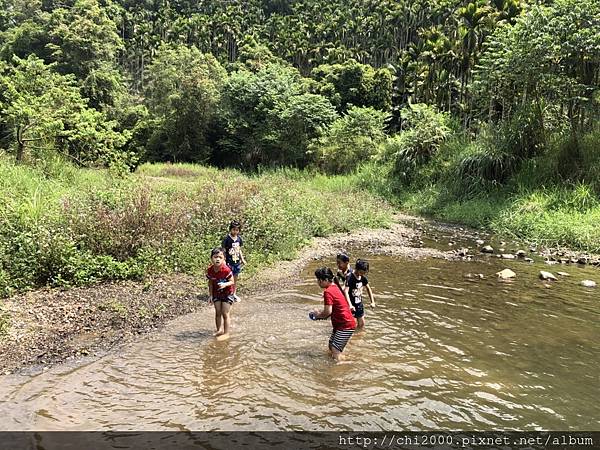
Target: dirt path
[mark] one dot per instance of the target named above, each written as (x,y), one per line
(51,325)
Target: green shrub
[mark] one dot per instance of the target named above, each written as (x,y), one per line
(424,131)
(78,230)
(350,141)
(4,321)
(481,170)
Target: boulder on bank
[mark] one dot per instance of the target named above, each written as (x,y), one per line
(487,249)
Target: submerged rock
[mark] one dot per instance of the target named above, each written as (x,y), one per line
(588,283)
(547,276)
(506,274)
(563,274)
(474,275)
(487,249)
(480,242)
(521,254)
(508,256)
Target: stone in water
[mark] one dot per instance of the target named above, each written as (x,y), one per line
(506,274)
(547,276)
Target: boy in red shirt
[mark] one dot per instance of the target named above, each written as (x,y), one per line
(220,291)
(335,306)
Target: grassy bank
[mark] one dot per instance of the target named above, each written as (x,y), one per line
(552,199)
(63,226)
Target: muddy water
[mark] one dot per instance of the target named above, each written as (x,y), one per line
(441,350)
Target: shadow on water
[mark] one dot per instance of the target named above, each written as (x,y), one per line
(445,348)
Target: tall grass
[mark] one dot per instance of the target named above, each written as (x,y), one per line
(475,182)
(72,226)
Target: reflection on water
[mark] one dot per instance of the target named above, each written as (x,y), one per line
(440,351)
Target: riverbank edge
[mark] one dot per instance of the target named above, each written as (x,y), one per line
(50,326)
(520,216)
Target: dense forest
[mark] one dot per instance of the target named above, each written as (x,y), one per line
(485,112)
(294,83)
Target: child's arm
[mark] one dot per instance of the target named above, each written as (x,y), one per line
(242,256)
(370,292)
(210,292)
(327,309)
(231,282)
(347,295)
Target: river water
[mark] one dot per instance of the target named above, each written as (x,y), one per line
(442,350)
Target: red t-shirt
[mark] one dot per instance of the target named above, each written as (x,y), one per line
(341,316)
(222,276)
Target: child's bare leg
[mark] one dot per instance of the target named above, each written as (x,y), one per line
(235,280)
(225,313)
(335,353)
(218,317)
(360,323)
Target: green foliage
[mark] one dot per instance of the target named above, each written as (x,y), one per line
(548,57)
(482,170)
(269,118)
(4,317)
(354,84)
(44,110)
(25,38)
(350,141)
(82,39)
(182,95)
(424,131)
(80,228)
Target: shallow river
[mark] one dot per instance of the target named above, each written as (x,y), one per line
(441,350)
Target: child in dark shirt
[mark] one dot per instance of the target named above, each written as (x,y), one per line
(221,287)
(344,269)
(233,252)
(356,282)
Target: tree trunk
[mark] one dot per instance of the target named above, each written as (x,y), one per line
(20,145)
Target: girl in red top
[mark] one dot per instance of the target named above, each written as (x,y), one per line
(220,291)
(335,306)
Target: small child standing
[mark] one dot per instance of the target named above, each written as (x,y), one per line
(355,284)
(336,306)
(344,270)
(221,286)
(233,252)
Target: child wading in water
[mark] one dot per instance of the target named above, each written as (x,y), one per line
(336,307)
(344,270)
(221,286)
(342,261)
(233,252)
(355,283)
